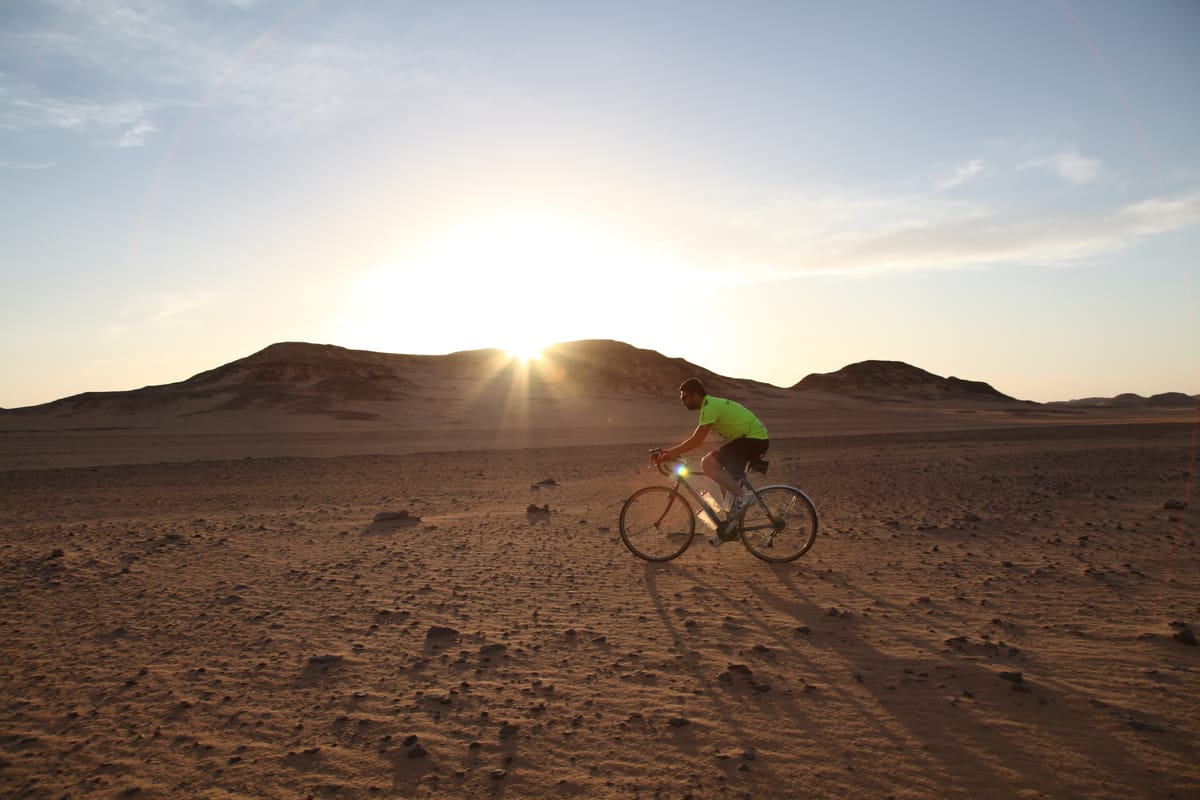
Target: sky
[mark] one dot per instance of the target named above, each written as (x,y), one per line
(1006,192)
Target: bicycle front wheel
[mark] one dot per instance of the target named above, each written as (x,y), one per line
(657,524)
(784,534)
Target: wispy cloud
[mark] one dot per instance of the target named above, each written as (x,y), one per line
(162,309)
(962,174)
(175,307)
(121,122)
(1000,239)
(1068,165)
(27,165)
(112,72)
(864,233)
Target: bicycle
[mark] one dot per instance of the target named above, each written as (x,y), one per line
(658,523)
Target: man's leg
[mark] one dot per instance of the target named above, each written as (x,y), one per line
(711,466)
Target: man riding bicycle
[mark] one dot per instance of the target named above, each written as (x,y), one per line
(745,440)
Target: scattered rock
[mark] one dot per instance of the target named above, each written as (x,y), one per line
(679,722)
(547,482)
(328,658)
(1015,677)
(1175,505)
(413,747)
(397,516)
(493,649)
(499,774)
(441,632)
(1146,726)
(533,508)
(1186,636)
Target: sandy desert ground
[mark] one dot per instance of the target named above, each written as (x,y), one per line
(988,614)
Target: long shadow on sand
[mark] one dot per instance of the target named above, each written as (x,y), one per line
(981,728)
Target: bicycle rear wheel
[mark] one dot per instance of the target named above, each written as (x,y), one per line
(787,532)
(657,524)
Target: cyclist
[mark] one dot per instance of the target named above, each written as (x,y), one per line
(745,440)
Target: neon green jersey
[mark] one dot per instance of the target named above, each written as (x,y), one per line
(731,420)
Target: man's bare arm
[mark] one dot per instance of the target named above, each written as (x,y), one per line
(691,443)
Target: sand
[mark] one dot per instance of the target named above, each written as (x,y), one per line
(984,614)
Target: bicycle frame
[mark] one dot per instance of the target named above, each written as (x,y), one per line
(680,470)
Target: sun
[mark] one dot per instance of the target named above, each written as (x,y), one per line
(516,281)
(524,352)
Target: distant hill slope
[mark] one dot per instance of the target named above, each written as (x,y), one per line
(615,367)
(1134,401)
(896,381)
(303,378)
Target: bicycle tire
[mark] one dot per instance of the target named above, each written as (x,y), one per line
(657,524)
(787,533)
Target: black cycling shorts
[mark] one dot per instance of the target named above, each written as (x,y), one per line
(736,455)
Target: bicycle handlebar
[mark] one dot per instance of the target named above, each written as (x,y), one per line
(666,468)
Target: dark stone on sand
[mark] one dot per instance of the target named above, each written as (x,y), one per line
(535,509)
(328,658)
(1146,726)
(396,516)
(441,632)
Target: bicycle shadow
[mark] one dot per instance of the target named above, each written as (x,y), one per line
(963,723)
(974,726)
(728,700)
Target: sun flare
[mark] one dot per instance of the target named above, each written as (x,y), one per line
(515,281)
(524,352)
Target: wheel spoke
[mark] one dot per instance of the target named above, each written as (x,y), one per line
(657,524)
(787,532)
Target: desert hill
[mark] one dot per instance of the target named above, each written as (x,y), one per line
(322,379)
(301,378)
(295,398)
(1133,401)
(895,381)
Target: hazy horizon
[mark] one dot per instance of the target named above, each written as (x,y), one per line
(999,192)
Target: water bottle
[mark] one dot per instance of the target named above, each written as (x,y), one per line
(711,503)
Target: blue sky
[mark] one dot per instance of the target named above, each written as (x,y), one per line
(1006,192)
